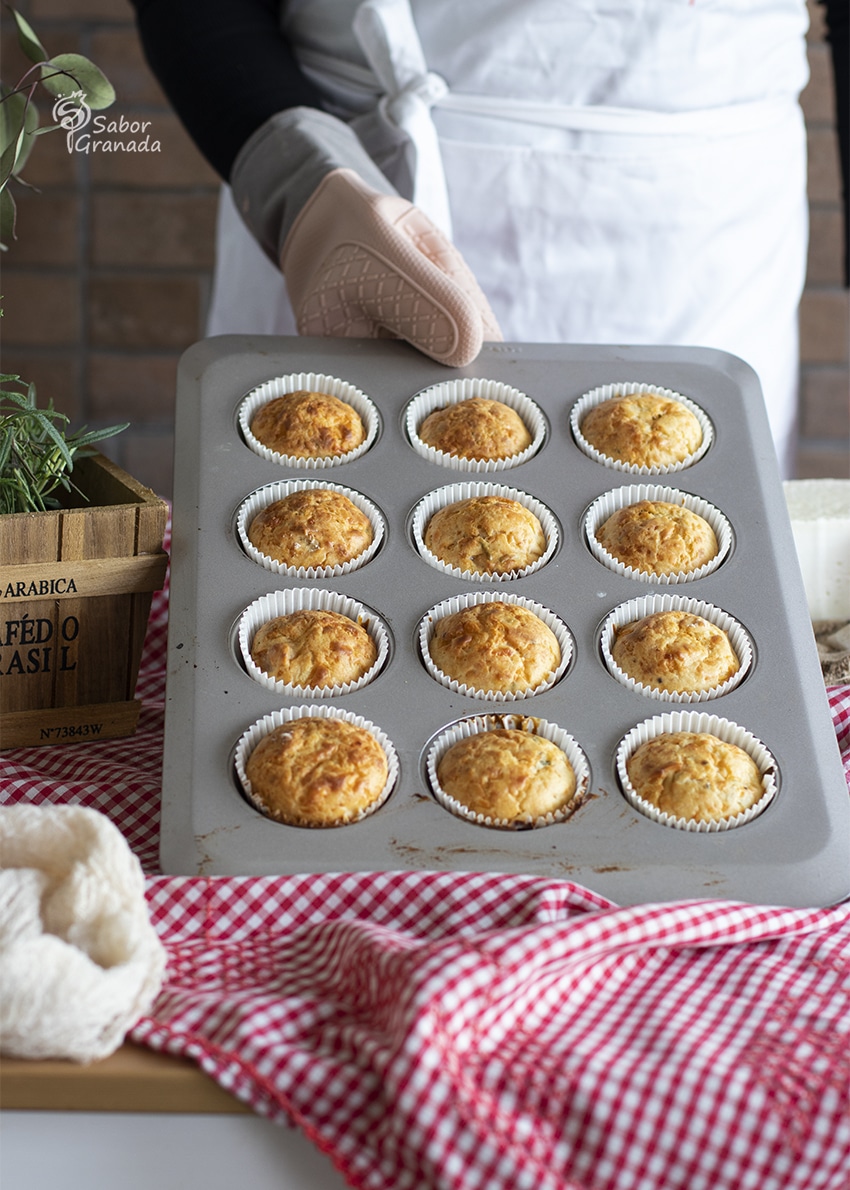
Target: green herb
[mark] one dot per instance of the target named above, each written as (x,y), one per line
(37,456)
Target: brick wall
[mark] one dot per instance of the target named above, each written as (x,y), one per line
(109,281)
(824,311)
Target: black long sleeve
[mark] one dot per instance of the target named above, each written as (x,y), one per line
(838,24)
(225,67)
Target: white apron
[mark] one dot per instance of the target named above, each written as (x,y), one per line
(612,172)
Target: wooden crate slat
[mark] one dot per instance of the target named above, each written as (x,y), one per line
(29,535)
(92,635)
(85,576)
(68,725)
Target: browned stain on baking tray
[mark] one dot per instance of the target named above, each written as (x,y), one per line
(206,862)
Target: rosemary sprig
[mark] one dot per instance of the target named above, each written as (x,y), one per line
(37,456)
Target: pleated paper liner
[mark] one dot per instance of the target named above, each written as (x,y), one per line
(697,721)
(604,393)
(448,607)
(284,603)
(250,738)
(648,605)
(260,499)
(438,396)
(610,502)
(280,386)
(456,492)
(492,722)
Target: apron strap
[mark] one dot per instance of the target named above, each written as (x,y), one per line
(389,40)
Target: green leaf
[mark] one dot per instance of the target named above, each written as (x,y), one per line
(13,116)
(27,39)
(7,216)
(37,456)
(31,131)
(82,438)
(65,74)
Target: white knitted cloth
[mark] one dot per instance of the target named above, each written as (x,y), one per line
(79,959)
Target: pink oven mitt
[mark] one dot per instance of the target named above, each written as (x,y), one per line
(359,260)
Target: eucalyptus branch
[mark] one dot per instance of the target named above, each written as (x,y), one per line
(37,453)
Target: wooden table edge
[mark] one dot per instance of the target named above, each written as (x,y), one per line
(133,1079)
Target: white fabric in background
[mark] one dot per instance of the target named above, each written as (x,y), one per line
(616,172)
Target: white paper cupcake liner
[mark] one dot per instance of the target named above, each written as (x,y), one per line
(283,603)
(647,605)
(597,395)
(251,737)
(270,492)
(455,604)
(456,492)
(610,502)
(491,722)
(452,392)
(697,721)
(279,386)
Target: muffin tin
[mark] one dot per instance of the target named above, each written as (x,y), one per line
(796,852)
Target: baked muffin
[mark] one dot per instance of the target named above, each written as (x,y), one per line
(655,537)
(675,651)
(317,772)
(643,430)
(476,428)
(308,425)
(313,647)
(495,647)
(486,535)
(508,774)
(694,775)
(311,527)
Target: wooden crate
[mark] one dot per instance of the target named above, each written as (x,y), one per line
(75,592)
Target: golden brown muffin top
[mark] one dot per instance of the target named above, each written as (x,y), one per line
(695,775)
(313,647)
(308,425)
(508,774)
(656,537)
(317,772)
(476,428)
(486,535)
(644,430)
(675,651)
(495,647)
(311,527)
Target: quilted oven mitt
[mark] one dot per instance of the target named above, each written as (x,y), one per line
(359,260)
(79,959)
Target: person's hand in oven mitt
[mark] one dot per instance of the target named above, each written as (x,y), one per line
(359,260)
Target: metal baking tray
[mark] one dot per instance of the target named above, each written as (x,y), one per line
(797,852)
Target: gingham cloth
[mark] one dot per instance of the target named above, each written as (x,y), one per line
(463,1031)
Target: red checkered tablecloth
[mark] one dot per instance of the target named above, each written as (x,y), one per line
(466,1031)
